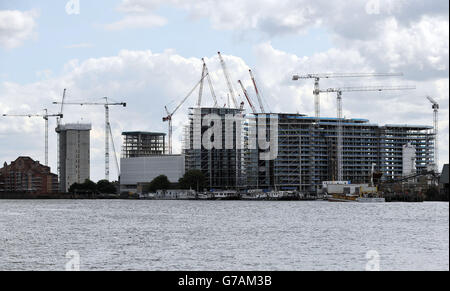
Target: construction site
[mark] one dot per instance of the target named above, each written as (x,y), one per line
(310,150)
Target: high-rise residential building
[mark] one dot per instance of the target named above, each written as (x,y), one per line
(307,152)
(73,154)
(220,157)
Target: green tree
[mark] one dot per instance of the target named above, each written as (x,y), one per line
(193,179)
(159,183)
(74,187)
(106,187)
(87,187)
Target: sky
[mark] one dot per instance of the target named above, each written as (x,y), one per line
(148,53)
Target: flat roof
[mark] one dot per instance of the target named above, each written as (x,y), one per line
(143,133)
(74,126)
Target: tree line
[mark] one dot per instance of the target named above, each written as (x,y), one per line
(193,179)
(88,186)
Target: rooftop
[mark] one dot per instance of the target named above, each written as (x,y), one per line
(143,133)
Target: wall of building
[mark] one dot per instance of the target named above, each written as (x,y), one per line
(24,175)
(134,171)
(74,154)
(408,159)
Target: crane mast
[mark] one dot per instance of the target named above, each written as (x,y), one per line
(338,91)
(317,78)
(205,73)
(106,105)
(261,106)
(211,88)
(58,123)
(45,116)
(228,79)
(169,116)
(247,97)
(200,91)
(435,107)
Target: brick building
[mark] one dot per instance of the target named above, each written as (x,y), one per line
(24,175)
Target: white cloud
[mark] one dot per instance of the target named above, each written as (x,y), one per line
(148,81)
(409,36)
(16,27)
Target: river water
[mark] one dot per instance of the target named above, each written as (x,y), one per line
(222,235)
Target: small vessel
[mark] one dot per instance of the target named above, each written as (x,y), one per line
(342,198)
(345,192)
(254,194)
(226,195)
(281,195)
(371,198)
(205,196)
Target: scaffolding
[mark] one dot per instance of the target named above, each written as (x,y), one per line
(143,144)
(307,152)
(222,166)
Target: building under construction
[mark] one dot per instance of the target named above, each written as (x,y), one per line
(222,166)
(307,151)
(143,144)
(144,158)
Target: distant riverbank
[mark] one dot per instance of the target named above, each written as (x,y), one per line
(82,196)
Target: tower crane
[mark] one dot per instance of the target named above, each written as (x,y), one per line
(435,107)
(58,123)
(106,104)
(261,106)
(339,91)
(248,97)
(205,73)
(228,79)
(317,78)
(169,116)
(45,116)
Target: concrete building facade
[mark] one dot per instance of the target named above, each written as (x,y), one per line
(142,170)
(73,154)
(408,159)
(143,159)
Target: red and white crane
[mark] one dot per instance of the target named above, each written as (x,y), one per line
(169,116)
(228,79)
(261,106)
(205,73)
(247,97)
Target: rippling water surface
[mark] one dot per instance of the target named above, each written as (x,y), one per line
(215,235)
